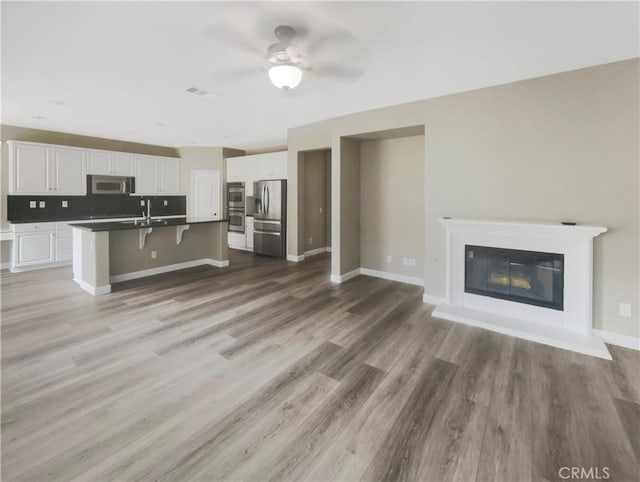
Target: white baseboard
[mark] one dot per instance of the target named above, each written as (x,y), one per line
(538,332)
(392,276)
(341,278)
(94,290)
(313,252)
(432,299)
(241,248)
(22,269)
(294,258)
(618,339)
(165,269)
(6,265)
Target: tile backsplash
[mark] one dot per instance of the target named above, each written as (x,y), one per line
(23,209)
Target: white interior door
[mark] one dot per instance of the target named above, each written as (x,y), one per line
(205,194)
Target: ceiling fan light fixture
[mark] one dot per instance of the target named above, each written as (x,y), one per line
(285,76)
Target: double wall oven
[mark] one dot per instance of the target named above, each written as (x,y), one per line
(235,206)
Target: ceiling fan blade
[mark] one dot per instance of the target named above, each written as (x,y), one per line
(342,72)
(224,34)
(339,44)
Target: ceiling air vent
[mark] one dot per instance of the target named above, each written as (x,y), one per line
(199,92)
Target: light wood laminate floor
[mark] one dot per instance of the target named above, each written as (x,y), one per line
(266,371)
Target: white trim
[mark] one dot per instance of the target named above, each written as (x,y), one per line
(412,280)
(33,267)
(6,265)
(432,299)
(240,248)
(166,269)
(294,258)
(340,278)
(328,248)
(618,339)
(313,252)
(94,290)
(538,332)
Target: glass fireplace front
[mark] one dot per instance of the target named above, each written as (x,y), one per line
(510,274)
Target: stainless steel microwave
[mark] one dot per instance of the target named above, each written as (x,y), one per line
(97,184)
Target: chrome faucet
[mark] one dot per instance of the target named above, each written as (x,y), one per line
(147,215)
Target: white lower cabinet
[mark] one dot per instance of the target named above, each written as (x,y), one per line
(249,232)
(39,245)
(33,248)
(236,240)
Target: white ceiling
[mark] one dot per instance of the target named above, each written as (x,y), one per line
(121,68)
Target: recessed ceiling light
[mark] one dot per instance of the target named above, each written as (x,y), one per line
(200,92)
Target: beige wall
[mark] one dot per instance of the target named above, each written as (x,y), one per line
(206,240)
(193,158)
(315,199)
(349,220)
(561,147)
(392,205)
(327,205)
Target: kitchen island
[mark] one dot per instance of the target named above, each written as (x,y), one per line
(114,251)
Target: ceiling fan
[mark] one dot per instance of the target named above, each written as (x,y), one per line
(286,60)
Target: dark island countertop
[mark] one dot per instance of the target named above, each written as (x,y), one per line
(138,224)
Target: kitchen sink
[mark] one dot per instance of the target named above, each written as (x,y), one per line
(153,222)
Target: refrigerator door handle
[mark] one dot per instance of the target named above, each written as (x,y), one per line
(268,197)
(269,233)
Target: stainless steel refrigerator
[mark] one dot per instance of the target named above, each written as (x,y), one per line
(270,218)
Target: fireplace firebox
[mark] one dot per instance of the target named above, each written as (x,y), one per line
(529,277)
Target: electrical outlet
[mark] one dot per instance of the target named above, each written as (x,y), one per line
(32,204)
(141,202)
(42,204)
(310,240)
(388,259)
(166,203)
(154,254)
(320,210)
(65,204)
(625,310)
(408,261)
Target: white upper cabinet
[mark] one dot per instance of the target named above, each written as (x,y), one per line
(168,175)
(123,165)
(257,167)
(58,170)
(98,162)
(39,169)
(146,175)
(28,169)
(68,175)
(111,164)
(157,175)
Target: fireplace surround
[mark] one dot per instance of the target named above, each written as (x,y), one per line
(530,280)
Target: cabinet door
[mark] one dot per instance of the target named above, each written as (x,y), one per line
(30,170)
(123,165)
(146,175)
(68,172)
(98,162)
(168,176)
(234,170)
(275,165)
(33,248)
(249,231)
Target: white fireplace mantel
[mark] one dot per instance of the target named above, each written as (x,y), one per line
(570,328)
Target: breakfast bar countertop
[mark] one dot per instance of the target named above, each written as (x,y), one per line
(140,223)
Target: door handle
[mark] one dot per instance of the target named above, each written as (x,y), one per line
(269,233)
